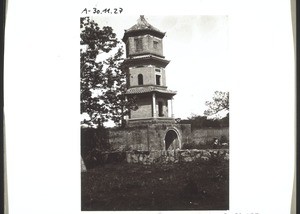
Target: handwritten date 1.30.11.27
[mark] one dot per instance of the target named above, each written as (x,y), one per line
(95,11)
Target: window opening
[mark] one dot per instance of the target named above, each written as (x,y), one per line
(157,79)
(138,44)
(140,79)
(155,44)
(160,109)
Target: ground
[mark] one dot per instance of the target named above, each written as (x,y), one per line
(180,186)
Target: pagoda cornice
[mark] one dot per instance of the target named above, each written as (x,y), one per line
(149,89)
(145,54)
(142,32)
(144,60)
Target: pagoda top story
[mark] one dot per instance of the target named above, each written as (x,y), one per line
(142,27)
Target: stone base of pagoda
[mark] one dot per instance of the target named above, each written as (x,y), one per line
(149,134)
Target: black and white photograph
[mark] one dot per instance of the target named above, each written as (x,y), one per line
(141,147)
(130,106)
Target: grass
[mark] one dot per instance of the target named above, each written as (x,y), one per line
(181,186)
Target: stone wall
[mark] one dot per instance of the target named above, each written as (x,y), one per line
(147,137)
(156,157)
(150,137)
(204,135)
(175,156)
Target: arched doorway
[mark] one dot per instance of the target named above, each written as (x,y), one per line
(172,140)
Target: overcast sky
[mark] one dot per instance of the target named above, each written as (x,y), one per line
(198,49)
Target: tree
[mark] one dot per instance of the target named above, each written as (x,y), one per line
(198,121)
(219,103)
(102,82)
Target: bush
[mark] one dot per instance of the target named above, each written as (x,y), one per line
(115,157)
(93,143)
(194,145)
(97,157)
(223,139)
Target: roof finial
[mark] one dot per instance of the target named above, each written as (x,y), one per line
(142,20)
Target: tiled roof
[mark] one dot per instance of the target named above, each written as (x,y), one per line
(142,24)
(146,57)
(141,90)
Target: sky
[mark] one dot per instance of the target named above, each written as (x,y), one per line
(197,47)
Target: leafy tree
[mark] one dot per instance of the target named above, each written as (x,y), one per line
(103,83)
(224,122)
(220,102)
(198,121)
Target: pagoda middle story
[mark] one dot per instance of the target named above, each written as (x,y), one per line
(151,125)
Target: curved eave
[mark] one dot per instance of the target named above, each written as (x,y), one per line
(145,60)
(134,91)
(143,54)
(140,32)
(171,94)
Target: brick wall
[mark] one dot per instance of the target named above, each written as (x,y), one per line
(149,75)
(144,108)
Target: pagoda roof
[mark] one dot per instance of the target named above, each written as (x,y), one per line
(142,27)
(142,90)
(146,59)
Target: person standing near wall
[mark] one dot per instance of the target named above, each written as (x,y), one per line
(216,143)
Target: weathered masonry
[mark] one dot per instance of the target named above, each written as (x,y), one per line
(151,126)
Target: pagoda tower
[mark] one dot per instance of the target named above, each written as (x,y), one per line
(151,125)
(145,66)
